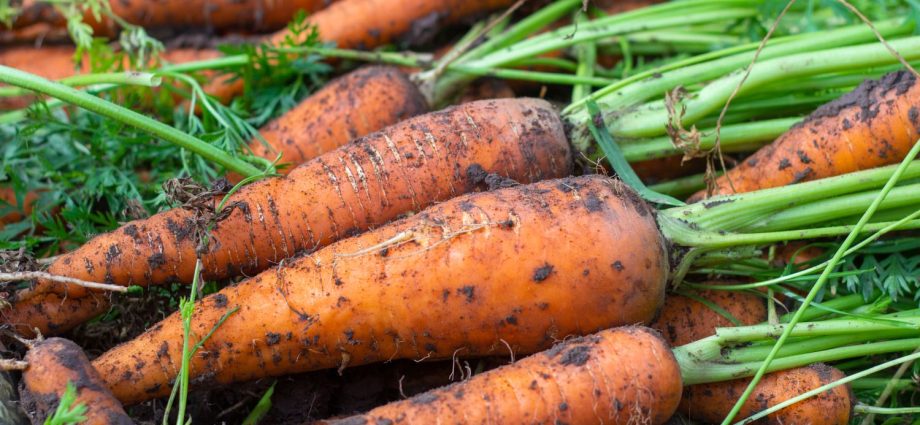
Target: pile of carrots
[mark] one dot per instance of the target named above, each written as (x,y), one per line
(395,229)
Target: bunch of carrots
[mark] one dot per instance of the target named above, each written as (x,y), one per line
(418,209)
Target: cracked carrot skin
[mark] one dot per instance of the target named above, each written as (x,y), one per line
(874,125)
(683,320)
(517,266)
(352,106)
(52,364)
(626,375)
(710,403)
(369,182)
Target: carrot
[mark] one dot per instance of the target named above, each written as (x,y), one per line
(15,212)
(361,102)
(206,15)
(403,168)
(683,319)
(516,266)
(52,364)
(619,376)
(874,125)
(52,314)
(367,24)
(712,402)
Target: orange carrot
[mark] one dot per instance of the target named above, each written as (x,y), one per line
(361,102)
(52,364)
(366,24)
(15,212)
(876,124)
(711,402)
(364,184)
(619,376)
(52,314)
(683,319)
(199,15)
(516,266)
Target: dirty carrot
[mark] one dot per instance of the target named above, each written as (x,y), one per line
(623,376)
(711,402)
(352,106)
(874,125)
(52,364)
(199,15)
(368,24)
(403,168)
(495,268)
(687,318)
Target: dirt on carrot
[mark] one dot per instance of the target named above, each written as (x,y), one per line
(683,319)
(512,268)
(352,106)
(874,125)
(618,376)
(55,362)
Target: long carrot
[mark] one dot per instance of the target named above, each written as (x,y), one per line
(874,125)
(684,319)
(366,24)
(711,402)
(199,15)
(52,364)
(516,266)
(619,376)
(403,168)
(361,102)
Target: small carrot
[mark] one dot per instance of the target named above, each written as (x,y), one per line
(403,168)
(711,402)
(14,212)
(619,376)
(683,319)
(52,314)
(516,266)
(52,364)
(874,125)
(352,106)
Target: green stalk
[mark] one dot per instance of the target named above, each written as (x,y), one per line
(874,383)
(734,138)
(830,209)
(757,353)
(108,109)
(694,371)
(648,120)
(587,59)
(415,60)
(827,328)
(681,187)
(653,83)
(536,76)
(144,79)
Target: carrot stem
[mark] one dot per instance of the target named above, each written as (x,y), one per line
(118,113)
(119,78)
(734,138)
(647,119)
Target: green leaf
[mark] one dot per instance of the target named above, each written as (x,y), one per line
(265,403)
(618,161)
